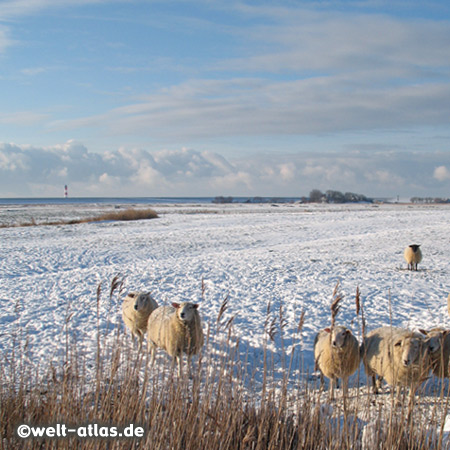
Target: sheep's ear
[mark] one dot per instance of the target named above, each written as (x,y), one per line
(195,305)
(423,331)
(176,305)
(328,330)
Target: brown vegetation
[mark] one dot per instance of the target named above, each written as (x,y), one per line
(125,215)
(218,408)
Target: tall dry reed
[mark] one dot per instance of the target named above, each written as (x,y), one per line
(219,406)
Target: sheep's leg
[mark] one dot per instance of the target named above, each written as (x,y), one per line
(331,388)
(189,365)
(322,381)
(375,384)
(180,365)
(345,387)
(140,341)
(152,349)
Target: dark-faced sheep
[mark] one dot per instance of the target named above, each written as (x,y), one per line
(413,256)
(136,308)
(399,356)
(177,329)
(336,354)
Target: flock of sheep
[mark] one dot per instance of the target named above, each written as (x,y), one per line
(399,356)
(177,329)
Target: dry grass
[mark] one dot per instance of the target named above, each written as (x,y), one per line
(125,215)
(218,407)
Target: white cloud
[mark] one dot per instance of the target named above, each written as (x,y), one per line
(441,173)
(26,170)
(23,118)
(287,171)
(5,41)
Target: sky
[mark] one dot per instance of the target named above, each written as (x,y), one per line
(223,97)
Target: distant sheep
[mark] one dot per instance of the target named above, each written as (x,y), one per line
(413,256)
(397,355)
(336,353)
(177,329)
(439,345)
(136,308)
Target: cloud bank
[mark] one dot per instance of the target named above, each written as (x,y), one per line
(41,172)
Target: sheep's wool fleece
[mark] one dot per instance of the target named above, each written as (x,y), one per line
(170,333)
(382,358)
(333,362)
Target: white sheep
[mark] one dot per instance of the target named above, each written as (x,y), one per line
(136,308)
(336,354)
(399,356)
(413,256)
(439,346)
(177,329)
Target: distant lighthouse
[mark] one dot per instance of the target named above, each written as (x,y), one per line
(66,193)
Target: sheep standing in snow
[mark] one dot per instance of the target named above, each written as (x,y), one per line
(177,329)
(398,355)
(413,256)
(136,308)
(439,346)
(336,353)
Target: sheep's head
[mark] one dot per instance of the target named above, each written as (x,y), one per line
(338,336)
(410,349)
(140,300)
(435,339)
(185,311)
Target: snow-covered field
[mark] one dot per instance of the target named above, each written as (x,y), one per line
(290,256)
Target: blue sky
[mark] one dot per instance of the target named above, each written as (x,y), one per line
(159,98)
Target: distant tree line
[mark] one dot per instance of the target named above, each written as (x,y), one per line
(429,200)
(221,199)
(316,196)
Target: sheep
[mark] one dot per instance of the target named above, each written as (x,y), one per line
(177,329)
(136,308)
(336,354)
(398,355)
(439,346)
(413,256)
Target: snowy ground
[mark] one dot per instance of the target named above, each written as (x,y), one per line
(289,255)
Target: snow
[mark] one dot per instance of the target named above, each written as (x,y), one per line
(286,258)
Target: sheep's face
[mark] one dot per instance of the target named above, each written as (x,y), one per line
(141,300)
(436,338)
(185,311)
(339,336)
(410,349)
